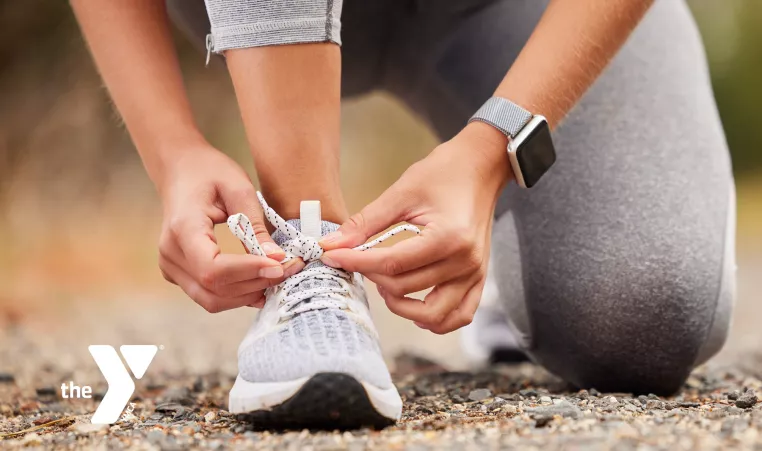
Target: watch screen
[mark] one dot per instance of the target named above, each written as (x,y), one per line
(536,154)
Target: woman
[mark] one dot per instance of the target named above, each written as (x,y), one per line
(615,271)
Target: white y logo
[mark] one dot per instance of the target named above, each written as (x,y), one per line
(120,384)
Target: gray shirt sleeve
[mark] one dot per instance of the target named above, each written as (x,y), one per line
(254,23)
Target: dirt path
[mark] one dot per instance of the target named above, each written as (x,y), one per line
(180,402)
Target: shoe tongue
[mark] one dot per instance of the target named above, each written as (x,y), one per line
(310,223)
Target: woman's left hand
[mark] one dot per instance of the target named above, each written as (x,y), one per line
(452,193)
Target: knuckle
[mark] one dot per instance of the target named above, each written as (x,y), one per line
(391,266)
(357,221)
(211,306)
(473,260)
(174,227)
(208,279)
(466,318)
(436,315)
(396,289)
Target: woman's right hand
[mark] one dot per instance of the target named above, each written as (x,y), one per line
(200,189)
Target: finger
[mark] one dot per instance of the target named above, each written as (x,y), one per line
(430,246)
(462,315)
(244,201)
(386,210)
(435,306)
(203,260)
(211,302)
(422,278)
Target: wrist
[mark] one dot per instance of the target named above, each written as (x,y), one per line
(164,162)
(488,148)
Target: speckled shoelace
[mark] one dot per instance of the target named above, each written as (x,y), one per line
(306,247)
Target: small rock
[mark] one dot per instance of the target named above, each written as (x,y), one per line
(689,404)
(510,396)
(545,400)
(457,399)
(652,404)
(594,392)
(630,408)
(46,391)
(747,400)
(510,408)
(88,428)
(565,409)
(210,416)
(479,394)
(496,404)
(170,408)
(583,394)
(542,421)
(528,393)
(155,436)
(7,378)
(613,400)
(31,439)
(733,395)
(180,395)
(652,396)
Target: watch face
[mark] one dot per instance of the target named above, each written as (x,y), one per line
(536,154)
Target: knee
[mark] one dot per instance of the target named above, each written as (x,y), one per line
(639,336)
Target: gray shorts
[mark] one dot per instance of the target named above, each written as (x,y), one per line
(618,269)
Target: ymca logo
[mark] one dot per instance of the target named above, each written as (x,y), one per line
(120,384)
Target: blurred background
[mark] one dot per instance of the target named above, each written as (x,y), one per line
(79,219)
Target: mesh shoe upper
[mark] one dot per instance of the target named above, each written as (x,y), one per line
(324,340)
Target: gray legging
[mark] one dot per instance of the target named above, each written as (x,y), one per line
(618,269)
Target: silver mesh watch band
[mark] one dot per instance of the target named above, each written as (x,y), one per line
(504,115)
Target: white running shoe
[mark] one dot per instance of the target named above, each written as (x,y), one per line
(312,357)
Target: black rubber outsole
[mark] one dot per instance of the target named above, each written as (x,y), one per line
(326,401)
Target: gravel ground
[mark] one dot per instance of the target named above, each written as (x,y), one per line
(180,403)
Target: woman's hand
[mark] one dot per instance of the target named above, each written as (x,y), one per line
(453,193)
(200,189)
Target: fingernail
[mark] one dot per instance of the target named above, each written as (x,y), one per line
(327,260)
(271,272)
(331,237)
(271,248)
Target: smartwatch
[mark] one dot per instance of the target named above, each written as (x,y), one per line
(530,147)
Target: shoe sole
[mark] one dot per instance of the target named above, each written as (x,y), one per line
(323,401)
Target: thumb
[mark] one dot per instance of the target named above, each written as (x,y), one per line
(386,210)
(245,201)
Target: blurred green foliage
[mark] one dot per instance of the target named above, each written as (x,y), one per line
(732,32)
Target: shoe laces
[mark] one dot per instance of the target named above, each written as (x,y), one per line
(332,294)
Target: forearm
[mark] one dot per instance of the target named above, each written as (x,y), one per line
(568,50)
(132,47)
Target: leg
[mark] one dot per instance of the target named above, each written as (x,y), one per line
(618,268)
(291,121)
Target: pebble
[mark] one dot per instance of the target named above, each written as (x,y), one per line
(747,400)
(545,400)
(479,394)
(210,416)
(528,393)
(7,378)
(46,391)
(733,395)
(613,400)
(564,409)
(87,428)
